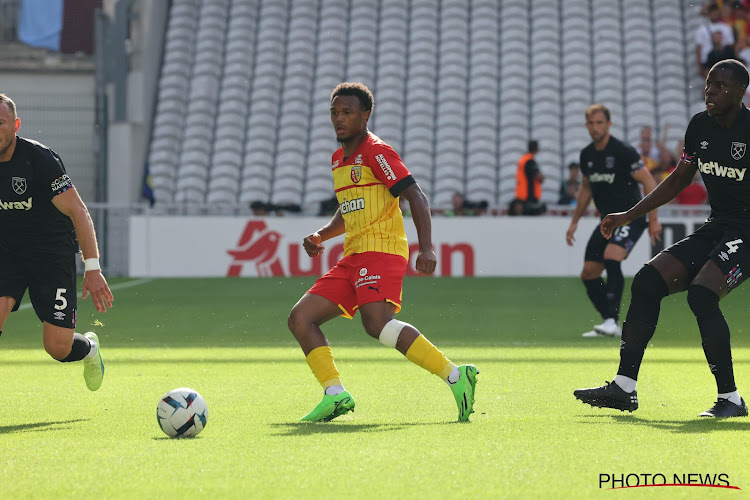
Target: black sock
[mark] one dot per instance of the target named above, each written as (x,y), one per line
(596,292)
(715,335)
(615,284)
(640,323)
(81,347)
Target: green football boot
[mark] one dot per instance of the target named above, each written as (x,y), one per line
(331,407)
(463,391)
(93,368)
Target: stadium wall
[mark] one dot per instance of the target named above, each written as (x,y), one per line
(169,246)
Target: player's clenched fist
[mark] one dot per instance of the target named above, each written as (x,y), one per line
(312,244)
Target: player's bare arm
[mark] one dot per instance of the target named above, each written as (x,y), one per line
(334,227)
(582,203)
(420,214)
(94,283)
(665,192)
(649,184)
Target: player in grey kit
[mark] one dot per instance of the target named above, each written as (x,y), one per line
(709,263)
(42,220)
(611,173)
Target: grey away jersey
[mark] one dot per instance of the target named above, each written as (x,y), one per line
(609,172)
(29,223)
(722,157)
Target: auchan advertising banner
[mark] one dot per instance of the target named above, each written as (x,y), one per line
(172,246)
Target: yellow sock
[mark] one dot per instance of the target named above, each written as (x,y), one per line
(423,353)
(321,363)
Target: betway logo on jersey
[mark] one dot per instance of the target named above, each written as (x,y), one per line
(597,177)
(387,170)
(16,205)
(713,168)
(352,206)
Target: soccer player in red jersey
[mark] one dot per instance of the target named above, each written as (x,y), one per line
(369,177)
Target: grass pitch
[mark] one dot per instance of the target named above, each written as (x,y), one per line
(227,339)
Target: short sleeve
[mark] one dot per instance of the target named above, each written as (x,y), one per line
(632,159)
(387,166)
(690,148)
(51,173)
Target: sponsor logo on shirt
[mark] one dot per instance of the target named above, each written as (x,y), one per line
(387,170)
(16,205)
(352,206)
(597,177)
(62,183)
(609,162)
(713,168)
(358,159)
(335,164)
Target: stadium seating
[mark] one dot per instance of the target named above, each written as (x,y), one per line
(460,87)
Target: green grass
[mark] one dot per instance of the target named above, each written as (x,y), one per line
(227,338)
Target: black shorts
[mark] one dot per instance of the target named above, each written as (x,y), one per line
(623,236)
(51,281)
(727,246)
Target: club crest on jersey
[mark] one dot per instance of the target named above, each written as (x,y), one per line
(356,173)
(738,150)
(609,162)
(19,184)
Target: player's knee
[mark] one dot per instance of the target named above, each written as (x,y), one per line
(58,347)
(296,320)
(373,326)
(703,301)
(648,284)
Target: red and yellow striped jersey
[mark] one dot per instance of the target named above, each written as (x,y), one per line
(364,184)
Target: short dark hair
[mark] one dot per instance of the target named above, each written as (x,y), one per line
(573,165)
(11,105)
(357,89)
(736,69)
(533,146)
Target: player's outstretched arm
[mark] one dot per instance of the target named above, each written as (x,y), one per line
(582,203)
(94,283)
(420,214)
(670,187)
(335,227)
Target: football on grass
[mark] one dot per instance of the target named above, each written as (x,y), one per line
(182,413)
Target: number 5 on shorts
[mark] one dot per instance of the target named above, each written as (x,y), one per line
(59,297)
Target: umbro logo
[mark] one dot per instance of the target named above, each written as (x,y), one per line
(59,315)
(704,144)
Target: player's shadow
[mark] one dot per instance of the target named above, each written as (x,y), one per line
(40,426)
(310,428)
(699,425)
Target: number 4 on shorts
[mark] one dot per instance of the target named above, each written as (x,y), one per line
(733,245)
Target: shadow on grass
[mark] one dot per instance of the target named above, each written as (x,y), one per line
(698,425)
(40,426)
(478,360)
(309,428)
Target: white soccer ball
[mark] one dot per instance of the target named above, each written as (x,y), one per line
(182,413)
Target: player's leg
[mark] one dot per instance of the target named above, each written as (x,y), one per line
(53,294)
(316,307)
(591,276)
(650,286)
(6,306)
(379,297)
(716,279)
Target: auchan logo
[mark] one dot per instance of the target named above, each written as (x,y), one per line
(271,254)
